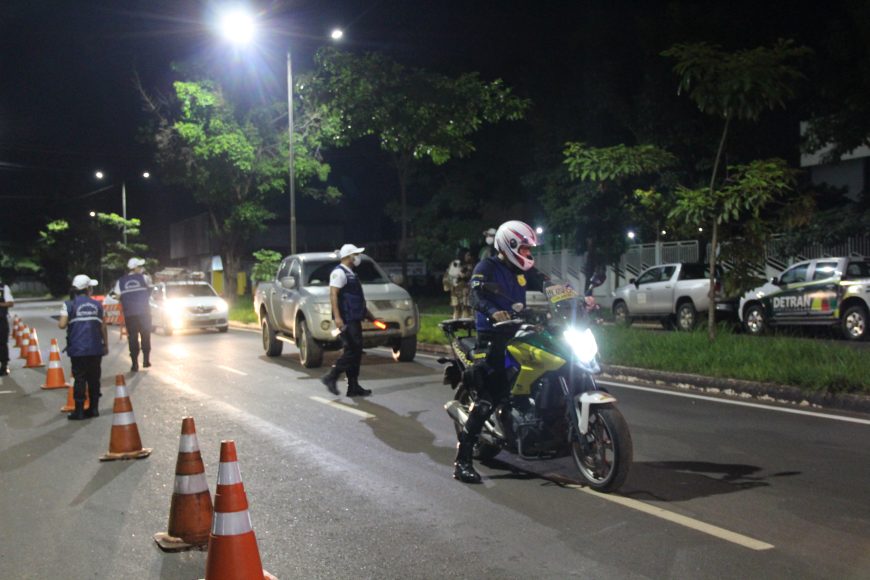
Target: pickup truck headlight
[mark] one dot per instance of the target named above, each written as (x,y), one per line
(324,308)
(404,304)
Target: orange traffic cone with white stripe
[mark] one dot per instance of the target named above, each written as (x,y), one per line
(124,442)
(54,378)
(17,332)
(190,510)
(71,402)
(232,546)
(25,343)
(34,357)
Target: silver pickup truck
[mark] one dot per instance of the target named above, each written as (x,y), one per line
(294,307)
(674,294)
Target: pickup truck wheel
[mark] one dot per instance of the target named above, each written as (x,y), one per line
(753,320)
(854,323)
(271,344)
(687,317)
(310,353)
(620,314)
(406,349)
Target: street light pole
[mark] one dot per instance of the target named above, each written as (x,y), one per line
(124,208)
(292,173)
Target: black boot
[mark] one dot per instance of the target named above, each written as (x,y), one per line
(330,380)
(354,389)
(79,413)
(146,359)
(4,369)
(94,409)
(464,466)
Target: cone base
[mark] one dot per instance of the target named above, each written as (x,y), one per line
(169,543)
(266,576)
(34,366)
(46,387)
(139,454)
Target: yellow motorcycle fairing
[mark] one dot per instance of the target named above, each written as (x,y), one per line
(533,362)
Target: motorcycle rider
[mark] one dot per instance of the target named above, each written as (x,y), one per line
(497,284)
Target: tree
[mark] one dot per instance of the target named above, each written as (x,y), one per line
(732,86)
(414,114)
(233,160)
(266,265)
(594,213)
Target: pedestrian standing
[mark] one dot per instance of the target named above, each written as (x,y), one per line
(87,342)
(7,303)
(348,310)
(134,290)
(488,249)
(456,282)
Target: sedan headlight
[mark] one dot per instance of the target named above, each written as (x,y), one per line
(324,308)
(582,343)
(222,306)
(404,304)
(174,310)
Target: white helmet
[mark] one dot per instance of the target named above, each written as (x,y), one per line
(510,237)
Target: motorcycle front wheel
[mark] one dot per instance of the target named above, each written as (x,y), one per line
(482,451)
(603,454)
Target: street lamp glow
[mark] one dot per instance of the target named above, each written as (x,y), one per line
(700,229)
(631,235)
(93,214)
(664,232)
(99,175)
(146,175)
(237,26)
(539,230)
(336,34)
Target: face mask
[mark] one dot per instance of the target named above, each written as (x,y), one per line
(357,260)
(489,240)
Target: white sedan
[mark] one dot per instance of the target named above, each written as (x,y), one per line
(188,304)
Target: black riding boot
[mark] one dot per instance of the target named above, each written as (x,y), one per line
(464,466)
(354,389)
(146,358)
(330,380)
(94,409)
(79,413)
(4,369)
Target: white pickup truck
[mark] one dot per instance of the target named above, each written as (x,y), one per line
(674,294)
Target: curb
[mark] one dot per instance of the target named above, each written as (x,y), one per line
(244,325)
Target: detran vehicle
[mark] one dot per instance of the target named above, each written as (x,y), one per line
(820,292)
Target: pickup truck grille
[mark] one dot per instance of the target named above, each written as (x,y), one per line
(381,304)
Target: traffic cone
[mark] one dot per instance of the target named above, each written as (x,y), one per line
(54,378)
(17,332)
(34,357)
(232,546)
(124,442)
(190,510)
(25,342)
(71,402)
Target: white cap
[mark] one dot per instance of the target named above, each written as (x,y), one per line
(349,250)
(134,263)
(489,232)
(81,282)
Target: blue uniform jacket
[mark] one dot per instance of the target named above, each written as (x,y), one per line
(498,285)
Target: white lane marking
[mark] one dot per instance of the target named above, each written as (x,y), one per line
(232,370)
(679,519)
(337,405)
(6,392)
(740,403)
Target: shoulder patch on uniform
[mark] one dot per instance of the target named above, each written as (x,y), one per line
(521,280)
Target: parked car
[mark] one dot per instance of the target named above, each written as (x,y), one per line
(675,294)
(184,304)
(821,292)
(295,307)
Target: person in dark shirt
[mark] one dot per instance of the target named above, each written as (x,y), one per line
(496,285)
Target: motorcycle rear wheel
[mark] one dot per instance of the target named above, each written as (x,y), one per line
(482,451)
(604,454)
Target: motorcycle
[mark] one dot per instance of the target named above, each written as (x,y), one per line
(555,407)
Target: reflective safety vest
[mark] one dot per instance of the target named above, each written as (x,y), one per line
(84,336)
(351,300)
(134,294)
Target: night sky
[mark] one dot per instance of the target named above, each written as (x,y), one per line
(69,106)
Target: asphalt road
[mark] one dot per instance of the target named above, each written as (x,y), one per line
(342,488)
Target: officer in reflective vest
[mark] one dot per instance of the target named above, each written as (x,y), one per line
(87,342)
(6,302)
(134,289)
(348,310)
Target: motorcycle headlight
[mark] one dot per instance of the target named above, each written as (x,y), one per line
(404,304)
(324,308)
(582,343)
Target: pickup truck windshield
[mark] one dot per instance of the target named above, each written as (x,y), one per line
(317,273)
(188,290)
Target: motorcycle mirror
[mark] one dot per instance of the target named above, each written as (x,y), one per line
(517,306)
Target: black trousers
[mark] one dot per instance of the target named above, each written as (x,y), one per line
(494,387)
(86,373)
(139,324)
(351,356)
(4,338)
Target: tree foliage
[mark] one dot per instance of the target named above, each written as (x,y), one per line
(414,114)
(265,266)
